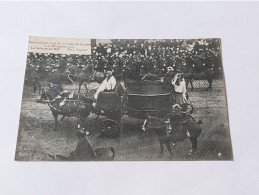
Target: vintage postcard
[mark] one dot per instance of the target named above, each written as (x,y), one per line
(123,100)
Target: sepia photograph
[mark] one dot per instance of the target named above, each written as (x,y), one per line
(124,100)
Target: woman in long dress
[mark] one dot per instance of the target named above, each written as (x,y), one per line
(180,89)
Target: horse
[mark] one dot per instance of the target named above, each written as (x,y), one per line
(190,130)
(58,78)
(191,76)
(68,105)
(85,75)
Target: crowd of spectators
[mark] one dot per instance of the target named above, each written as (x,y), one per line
(138,56)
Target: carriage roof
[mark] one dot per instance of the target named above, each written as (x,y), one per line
(148,88)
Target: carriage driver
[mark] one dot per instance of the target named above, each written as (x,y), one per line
(108,84)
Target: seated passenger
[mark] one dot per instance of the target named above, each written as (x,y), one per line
(108,84)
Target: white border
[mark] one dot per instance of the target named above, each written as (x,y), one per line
(235,23)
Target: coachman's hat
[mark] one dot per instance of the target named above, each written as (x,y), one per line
(108,72)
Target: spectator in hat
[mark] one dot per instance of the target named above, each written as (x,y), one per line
(108,84)
(169,75)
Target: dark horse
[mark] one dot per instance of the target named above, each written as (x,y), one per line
(68,104)
(205,75)
(190,129)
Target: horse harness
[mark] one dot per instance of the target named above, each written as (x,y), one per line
(65,100)
(168,127)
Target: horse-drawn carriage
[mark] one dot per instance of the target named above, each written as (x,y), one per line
(137,100)
(145,99)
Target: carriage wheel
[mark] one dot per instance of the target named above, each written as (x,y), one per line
(109,128)
(187,108)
